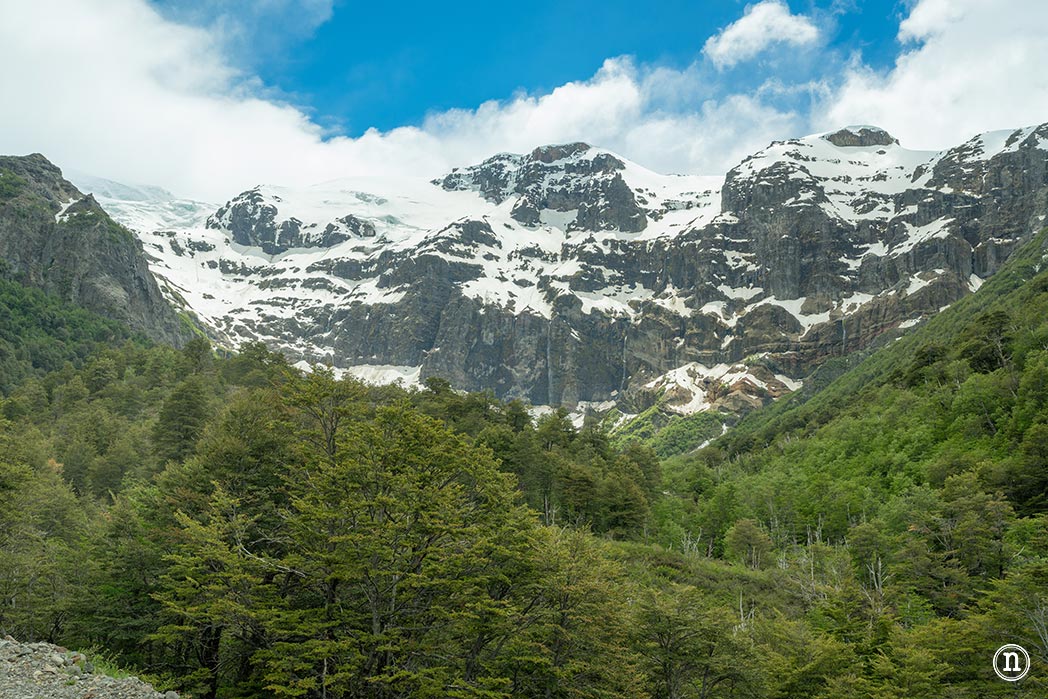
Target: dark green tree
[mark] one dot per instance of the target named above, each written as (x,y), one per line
(181,420)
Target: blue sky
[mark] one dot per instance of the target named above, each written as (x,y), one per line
(210,97)
(383,65)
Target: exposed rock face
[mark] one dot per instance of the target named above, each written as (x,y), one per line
(252,222)
(861,136)
(571,178)
(570,275)
(54,237)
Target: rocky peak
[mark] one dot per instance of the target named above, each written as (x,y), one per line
(861,137)
(494,179)
(573,177)
(552,153)
(252,218)
(506,174)
(36,174)
(999,182)
(975,155)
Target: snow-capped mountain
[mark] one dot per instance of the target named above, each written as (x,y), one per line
(571,275)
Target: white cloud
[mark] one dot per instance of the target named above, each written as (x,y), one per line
(975,66)
(616,109)
(763,25)
(928,18)
(112,88)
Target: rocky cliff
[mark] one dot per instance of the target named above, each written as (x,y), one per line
(54,237)
(571,276)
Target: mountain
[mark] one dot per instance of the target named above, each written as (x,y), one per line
(54,237)
(937,442)
(878,536)
(570,275)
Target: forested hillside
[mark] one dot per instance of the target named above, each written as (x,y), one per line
(39,333)
(232,527)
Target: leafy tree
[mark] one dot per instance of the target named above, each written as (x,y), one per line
(181,420)
(577,646)
(624,506)
(208,593)
(198,355)
(690,649)
(747,543)
(647,462)
(41,529)
(399,541)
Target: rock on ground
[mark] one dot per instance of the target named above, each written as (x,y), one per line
(46,671)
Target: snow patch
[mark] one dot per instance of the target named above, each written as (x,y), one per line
(694,387)
(745,293)
(62,216)
(585,407)
(558,219)
(923,279)
(383,374)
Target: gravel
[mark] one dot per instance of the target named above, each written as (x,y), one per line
(46,671)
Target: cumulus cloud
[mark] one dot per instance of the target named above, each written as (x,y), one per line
(968,66)
(118,90)
(617,109)
(928,18)
(763,25)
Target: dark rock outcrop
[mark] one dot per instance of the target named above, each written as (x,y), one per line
(560,178)
(253,222)
(861,136)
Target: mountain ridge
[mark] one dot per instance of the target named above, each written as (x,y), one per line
(570,275)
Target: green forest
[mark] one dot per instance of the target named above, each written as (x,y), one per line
(225,525)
